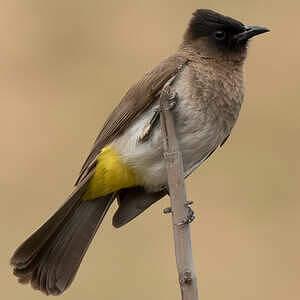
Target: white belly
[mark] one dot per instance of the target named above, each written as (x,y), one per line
(197,138)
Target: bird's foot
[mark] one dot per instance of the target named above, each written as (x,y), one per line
(190,217)
(148,129)
(190,214)
(172,100)
(167,210)
(171,103)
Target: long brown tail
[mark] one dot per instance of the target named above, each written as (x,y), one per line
(51,256)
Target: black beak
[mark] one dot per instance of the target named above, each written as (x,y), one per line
(250,31)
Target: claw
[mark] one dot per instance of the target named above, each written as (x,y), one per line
(171,103)
(167,210)
(172,100)
(190,215)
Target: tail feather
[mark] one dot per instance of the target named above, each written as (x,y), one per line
(50,258)
(24,255)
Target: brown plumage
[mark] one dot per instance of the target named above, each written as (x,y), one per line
(209,85)
(136,100)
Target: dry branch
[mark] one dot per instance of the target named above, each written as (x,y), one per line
(179,205)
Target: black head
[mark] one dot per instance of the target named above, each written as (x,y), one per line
(220,32)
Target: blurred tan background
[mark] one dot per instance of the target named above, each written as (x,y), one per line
(66,64)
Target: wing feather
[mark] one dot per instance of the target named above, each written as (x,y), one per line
(136,100)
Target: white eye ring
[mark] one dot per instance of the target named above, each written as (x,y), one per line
(220,35)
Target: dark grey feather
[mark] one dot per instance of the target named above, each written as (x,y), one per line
(50,258)
(132,202)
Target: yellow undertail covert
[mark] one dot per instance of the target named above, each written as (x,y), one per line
(111,174)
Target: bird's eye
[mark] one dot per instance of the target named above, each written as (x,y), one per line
(220,35)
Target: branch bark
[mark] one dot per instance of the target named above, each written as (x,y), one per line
(179,205)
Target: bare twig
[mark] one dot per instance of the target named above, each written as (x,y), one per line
(179,207)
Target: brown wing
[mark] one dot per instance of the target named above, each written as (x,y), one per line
(135,101)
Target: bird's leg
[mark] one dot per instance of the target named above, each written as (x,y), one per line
(146,133)
(149,127)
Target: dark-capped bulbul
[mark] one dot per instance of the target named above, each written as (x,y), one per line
(126,161)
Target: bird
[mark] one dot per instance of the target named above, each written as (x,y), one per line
(126,161)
